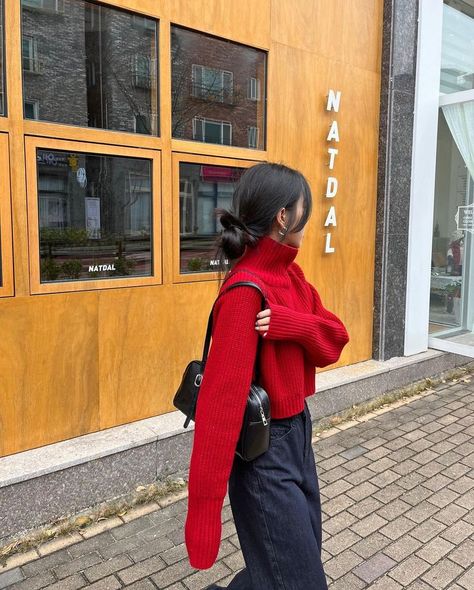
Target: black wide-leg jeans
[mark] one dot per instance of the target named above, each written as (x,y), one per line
(276,506)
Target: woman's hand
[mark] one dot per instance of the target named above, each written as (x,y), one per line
(263,321)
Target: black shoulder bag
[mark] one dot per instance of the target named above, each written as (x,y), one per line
(255,432)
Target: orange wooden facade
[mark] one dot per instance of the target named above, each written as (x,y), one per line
(80,357)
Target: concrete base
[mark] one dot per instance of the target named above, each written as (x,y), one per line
(59,480)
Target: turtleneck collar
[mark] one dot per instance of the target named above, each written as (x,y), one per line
(268,256)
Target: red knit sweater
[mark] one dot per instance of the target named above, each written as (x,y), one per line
(302,335)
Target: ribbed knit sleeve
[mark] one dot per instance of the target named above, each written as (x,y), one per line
(220,408)
(321,333)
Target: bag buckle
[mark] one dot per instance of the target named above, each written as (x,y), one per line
(198,380)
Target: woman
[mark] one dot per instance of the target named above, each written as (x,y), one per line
(274,498)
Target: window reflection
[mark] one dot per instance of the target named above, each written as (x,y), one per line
(95,216)
(202,188)
(457,57)
(89,65)
(454,197)
(218,90)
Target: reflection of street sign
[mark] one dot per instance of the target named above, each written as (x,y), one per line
(81,177)
(93,217)
(216,173)
(72,159)
(465,218)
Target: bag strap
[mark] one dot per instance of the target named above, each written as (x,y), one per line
(209,326)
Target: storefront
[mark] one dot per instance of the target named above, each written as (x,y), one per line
(124,125)
(442,221)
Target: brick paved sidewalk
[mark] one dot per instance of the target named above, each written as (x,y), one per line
(398,501)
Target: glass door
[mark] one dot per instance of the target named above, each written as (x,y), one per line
(451,315)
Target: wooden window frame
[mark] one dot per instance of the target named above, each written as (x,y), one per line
(6,253)
(36,287)
(177,158)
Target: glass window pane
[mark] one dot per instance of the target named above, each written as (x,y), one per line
(90,65)
(220,82)
(202,188)
(451,258)
(457,58)
(95,216)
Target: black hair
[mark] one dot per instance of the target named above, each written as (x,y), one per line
(261,191)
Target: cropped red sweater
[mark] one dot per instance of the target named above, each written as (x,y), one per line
(302,335)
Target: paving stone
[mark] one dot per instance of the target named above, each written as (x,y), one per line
(108,583)
(457,532)
(443,497)
(433,551)
(108,567)
(417,494)
(338,504)
(368,525)
(144,550)
(374,567)
(462,485)
(466,501)
(385,478)
(422,511)
(456,471)
(148,585)
(467,579)
(334,474)
(385,583)
(131,528)
(96,543)
(371,544)
(43,580)
(348,582)
(45,563)
(463,554)
(73,582)
(141,569)
(359,476)
(438,482)
(427,530)
(398,527)
(409,570)
(430,469)
(341,541)
(393,509)
(365,506)
(451,514)
(77,565)
(353,452)
(342,563)
(339,522)
(175,572)
(203,578)
(361,491)
(402,547)
(411,480)
(442,573)
(420,445)
(235,561)
(10,577)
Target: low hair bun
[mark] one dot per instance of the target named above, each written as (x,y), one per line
(235,235)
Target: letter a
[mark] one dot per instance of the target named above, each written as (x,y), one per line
(333,132)
(331,217)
